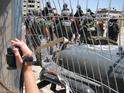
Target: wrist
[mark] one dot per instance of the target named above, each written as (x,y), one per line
(27,63)
(27,66)
(26,51)
(27,59)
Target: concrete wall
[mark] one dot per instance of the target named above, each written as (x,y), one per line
(10,27)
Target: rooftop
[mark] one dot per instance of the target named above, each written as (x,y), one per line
(105,10)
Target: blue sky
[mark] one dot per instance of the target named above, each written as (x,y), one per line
(92,4)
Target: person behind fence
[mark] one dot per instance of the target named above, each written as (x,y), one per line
(65,11)
(79,12)
(30,83)
(105,27)
(90,13)
(100,27)
(113,29)
(64,27)
(47,9)
(50,26)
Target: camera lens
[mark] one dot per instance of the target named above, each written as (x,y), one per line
(10,57)
(10,50)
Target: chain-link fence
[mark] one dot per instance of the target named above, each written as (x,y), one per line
(80,50)
(84,51)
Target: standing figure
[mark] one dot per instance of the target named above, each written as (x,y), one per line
(113,29)
(79,12)
(90,13)
(100,30)
(65,11)
(77,25)
(47,9)
(105,27)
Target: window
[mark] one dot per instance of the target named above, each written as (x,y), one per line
(30,5)
(104,15)
(31,1)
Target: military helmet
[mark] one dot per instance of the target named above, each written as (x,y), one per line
(65,5)
(78,7)
(88,10)
(48,4)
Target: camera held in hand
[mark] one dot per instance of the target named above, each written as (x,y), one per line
(10,58)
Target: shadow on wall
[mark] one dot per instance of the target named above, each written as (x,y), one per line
(3,5)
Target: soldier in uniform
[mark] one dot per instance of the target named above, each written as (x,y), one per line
(64,26)
(90,13)
(79,12)
(65,11)
(48,12)
(113,29)
(88,27)
(48,9)
(50,27)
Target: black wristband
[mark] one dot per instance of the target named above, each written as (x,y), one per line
(27,59)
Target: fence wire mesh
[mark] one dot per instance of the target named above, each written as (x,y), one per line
(85,47)
(91,56)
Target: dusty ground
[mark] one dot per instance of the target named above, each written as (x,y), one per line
(36,70)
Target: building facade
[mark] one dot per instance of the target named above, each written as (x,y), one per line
(113,13)
(30,6)
(106,13)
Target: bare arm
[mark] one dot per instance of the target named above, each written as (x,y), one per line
(30,83)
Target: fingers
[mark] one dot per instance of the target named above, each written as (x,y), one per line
(17,39)
(16,42)
(24,48)
(18,56)
(26,51)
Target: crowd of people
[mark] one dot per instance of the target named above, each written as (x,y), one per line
(75,27)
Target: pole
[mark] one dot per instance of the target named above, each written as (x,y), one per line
(86,5)
(97,5)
